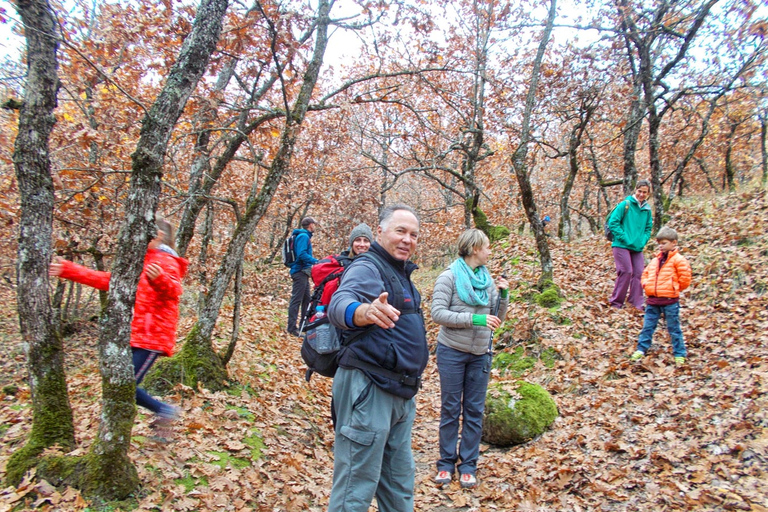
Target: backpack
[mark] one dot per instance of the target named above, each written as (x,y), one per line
(322,341)
(608,234)
(289,251)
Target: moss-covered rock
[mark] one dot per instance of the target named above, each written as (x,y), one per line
(550,295)
(518,414)
(196,363)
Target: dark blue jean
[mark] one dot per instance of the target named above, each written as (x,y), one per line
(672,315)
(142,361)
(463,384)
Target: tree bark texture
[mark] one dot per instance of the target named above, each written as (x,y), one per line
(521,153)
(587,107)
(763,147)
(109,472)
(52,415)
(208,367)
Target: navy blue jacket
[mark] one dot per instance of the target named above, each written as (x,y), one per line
(303,248)
(401,349)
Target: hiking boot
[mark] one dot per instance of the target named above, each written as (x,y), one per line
(636,356)
(443,477)
(468,481)
(679,361)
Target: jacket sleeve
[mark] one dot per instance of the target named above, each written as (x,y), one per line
(360,284)
(503,306)
(614,222)
(647,277)
(648,229)
(302,251)
(441,304)
(85,275)
(168,284)
(683,269)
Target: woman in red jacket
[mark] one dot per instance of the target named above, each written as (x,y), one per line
(155,312)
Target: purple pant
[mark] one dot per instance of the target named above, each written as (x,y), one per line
(629,270)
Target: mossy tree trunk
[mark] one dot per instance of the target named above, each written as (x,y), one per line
(51,412)
(198,362)
(108,472)
(519,158)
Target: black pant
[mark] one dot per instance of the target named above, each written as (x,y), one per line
(299,300)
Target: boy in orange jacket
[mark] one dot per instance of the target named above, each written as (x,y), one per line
(663,279)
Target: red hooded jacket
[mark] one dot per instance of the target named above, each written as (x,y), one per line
(156,310)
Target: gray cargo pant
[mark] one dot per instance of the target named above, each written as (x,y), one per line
(372,451)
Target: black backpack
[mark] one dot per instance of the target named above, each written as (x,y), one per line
(289,251)
(608,234)
(322,341)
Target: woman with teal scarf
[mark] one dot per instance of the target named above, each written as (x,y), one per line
(464,297)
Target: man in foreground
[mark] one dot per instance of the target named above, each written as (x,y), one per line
(379,373)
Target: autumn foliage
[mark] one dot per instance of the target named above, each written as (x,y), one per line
(629,436)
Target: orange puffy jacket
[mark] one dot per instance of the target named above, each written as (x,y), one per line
(156,310)
(669,280)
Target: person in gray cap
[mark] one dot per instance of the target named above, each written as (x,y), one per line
(300,272)
(360,240)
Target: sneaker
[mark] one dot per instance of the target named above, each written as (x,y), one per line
(636,355)
(468,481)
(443,477)
(679,361)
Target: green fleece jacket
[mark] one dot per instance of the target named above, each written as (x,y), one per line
(631,227)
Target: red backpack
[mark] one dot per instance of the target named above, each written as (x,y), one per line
(326,275)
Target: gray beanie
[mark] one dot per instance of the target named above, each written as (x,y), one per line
(361,230)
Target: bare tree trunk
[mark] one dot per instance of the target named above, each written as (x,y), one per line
(763,147)
(198,362)
(729,179)
(108,472)
(521,153)
(51,412)
(631,134)
(587,106)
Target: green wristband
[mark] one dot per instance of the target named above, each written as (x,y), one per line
(504,293)
(479,320)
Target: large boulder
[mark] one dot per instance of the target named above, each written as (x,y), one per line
(516,413)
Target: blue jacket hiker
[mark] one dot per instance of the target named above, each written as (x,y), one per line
(380,373)
(300,272)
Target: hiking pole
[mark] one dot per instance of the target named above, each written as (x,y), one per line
(494,312)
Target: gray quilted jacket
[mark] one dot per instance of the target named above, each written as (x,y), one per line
(455,316)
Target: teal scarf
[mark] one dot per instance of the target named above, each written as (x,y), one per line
(471,285)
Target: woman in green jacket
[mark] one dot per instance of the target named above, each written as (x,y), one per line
(631,223)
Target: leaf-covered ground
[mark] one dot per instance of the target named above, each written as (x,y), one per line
(644,436)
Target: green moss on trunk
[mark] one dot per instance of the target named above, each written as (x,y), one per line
(196,363)
(494,233)
(51,424)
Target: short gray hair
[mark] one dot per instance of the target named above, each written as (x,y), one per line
(666,233)
(386,214)
(643,183)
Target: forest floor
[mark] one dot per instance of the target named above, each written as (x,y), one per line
(630,436)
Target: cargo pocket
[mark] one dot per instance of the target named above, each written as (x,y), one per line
(361,437)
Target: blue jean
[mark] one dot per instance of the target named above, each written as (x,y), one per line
(372,452)
(652,315)
(142,361)
(463,385)
(629,270)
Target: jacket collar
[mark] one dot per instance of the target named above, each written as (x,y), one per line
(403,266)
